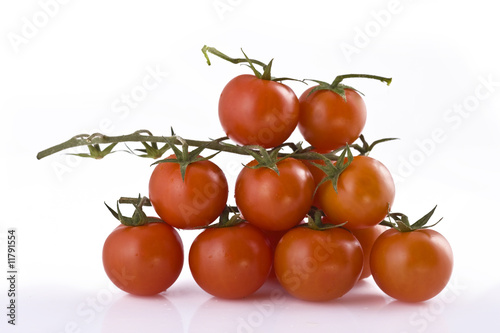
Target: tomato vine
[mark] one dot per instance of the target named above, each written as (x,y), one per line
(94,141)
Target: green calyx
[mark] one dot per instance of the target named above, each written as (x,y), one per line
(266,68)
(95,150)
(225,221)
(138,217)
(151,150)
(401,222)
(333,171)
(365,148)
(339,88)
(264,158)
(185,157)
(315,220)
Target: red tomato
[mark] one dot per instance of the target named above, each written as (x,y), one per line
(318,265)
(143,260)
(366,238)
(196,201)
(230,262)
(366,191)
(326,121)
(411,266)
(271,201)
(253,111)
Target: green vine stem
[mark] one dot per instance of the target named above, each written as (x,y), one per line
(93,141)
(207,49)
(339,78)
(146,136)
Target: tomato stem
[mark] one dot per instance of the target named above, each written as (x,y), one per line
(266,68)
(218,145)
(207,49)
(140,201)
(145,136)
(339,78)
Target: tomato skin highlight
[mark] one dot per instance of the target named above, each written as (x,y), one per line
(271,201)
(253,111)
(317,265)
(366,192)
(143,260)
(411,266)
(326,121)
(197,201)
(231,262)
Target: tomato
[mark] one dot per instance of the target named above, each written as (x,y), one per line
(315,265)
(326,121)
(411,266)
(143,260)
(230,262)
(254,111)
(366,191)
(196,201)
(271,201)
(366,238)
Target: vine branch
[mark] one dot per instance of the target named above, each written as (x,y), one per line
(93,141)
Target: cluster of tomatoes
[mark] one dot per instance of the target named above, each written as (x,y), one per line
(316,224)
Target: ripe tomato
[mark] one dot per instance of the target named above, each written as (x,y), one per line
(271,201)
(326,121)
(143,260)
(196,201)
(254,111)
(411,266)
(366,238)
(318,265)
(366,191)
(230,262)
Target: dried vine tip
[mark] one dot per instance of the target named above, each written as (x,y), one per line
(204,49)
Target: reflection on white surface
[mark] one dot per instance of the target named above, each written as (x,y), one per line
(272,309)
(142,314)
(187,308)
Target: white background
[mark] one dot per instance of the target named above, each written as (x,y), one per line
(66,67)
